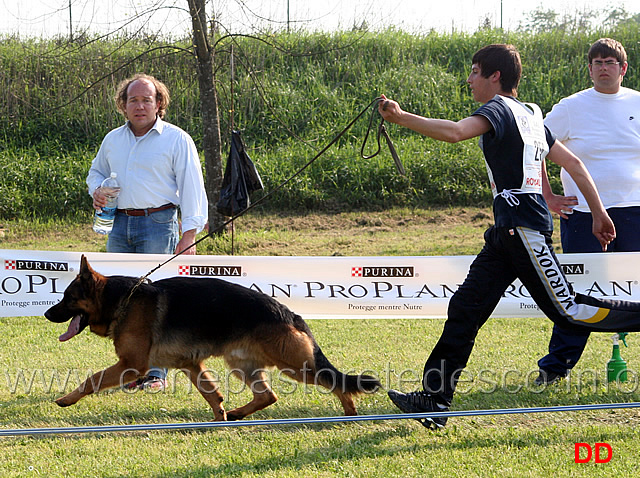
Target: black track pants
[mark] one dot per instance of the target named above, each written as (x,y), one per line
(510,254)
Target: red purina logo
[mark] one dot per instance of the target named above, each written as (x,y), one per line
(584,453)
(383,271)
(211,271)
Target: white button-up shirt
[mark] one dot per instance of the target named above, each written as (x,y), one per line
(160,167)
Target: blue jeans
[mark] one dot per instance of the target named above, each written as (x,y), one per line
(566,347)
(157,233)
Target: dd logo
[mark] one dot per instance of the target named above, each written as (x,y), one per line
(590,453)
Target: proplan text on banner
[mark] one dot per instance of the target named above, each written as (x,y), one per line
(314,287)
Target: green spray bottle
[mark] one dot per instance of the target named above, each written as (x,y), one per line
(617,366)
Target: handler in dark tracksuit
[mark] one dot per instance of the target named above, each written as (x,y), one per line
(515,143)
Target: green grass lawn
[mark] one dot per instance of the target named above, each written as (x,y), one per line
(500,375)
(37,368)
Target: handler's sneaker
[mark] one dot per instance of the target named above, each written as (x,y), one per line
(150,384)
(420,402)
(547,378)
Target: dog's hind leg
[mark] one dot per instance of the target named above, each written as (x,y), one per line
(298,356)
(263,396)
(208,388)
(307,374)
(346,399)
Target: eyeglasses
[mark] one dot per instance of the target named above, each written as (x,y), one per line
(600,63)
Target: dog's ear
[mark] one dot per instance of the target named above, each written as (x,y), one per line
(86,271)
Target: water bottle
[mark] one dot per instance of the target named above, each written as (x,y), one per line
(103,219)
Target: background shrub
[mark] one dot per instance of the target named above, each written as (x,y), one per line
(292,93)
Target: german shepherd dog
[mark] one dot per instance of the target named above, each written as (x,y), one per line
(180,322)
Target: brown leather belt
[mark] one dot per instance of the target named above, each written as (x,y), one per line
(145,212)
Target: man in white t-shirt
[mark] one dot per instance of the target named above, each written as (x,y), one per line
(600,125)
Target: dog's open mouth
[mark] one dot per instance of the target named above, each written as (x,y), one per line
(77,325)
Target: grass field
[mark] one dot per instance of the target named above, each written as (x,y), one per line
(37,369)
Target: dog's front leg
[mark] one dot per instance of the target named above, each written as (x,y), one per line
(110,377)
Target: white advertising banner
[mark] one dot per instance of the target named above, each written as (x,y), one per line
(314,287)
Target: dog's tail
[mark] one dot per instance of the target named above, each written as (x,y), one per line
(330,377)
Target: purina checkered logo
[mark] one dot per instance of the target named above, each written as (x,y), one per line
(210,271)
(28,265)
(379,271)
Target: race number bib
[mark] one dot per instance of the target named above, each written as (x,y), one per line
(531,128)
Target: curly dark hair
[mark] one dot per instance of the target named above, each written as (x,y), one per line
(162,93)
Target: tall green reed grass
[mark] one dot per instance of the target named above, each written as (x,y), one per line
(292,93)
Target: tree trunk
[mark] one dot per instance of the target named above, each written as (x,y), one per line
(209,106)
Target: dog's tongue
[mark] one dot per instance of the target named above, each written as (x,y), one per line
(74,328)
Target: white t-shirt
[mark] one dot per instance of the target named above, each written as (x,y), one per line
(603,130)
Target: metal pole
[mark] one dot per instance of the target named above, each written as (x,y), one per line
(307,421)
(232,122)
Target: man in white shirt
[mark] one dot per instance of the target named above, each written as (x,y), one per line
(600,125)
(159,172)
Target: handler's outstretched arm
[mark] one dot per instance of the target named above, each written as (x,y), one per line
(440,129)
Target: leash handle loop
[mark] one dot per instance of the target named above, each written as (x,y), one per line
(382,131)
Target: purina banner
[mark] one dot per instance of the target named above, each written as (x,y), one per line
(314,287)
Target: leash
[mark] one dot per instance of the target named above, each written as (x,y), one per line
(381,132)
